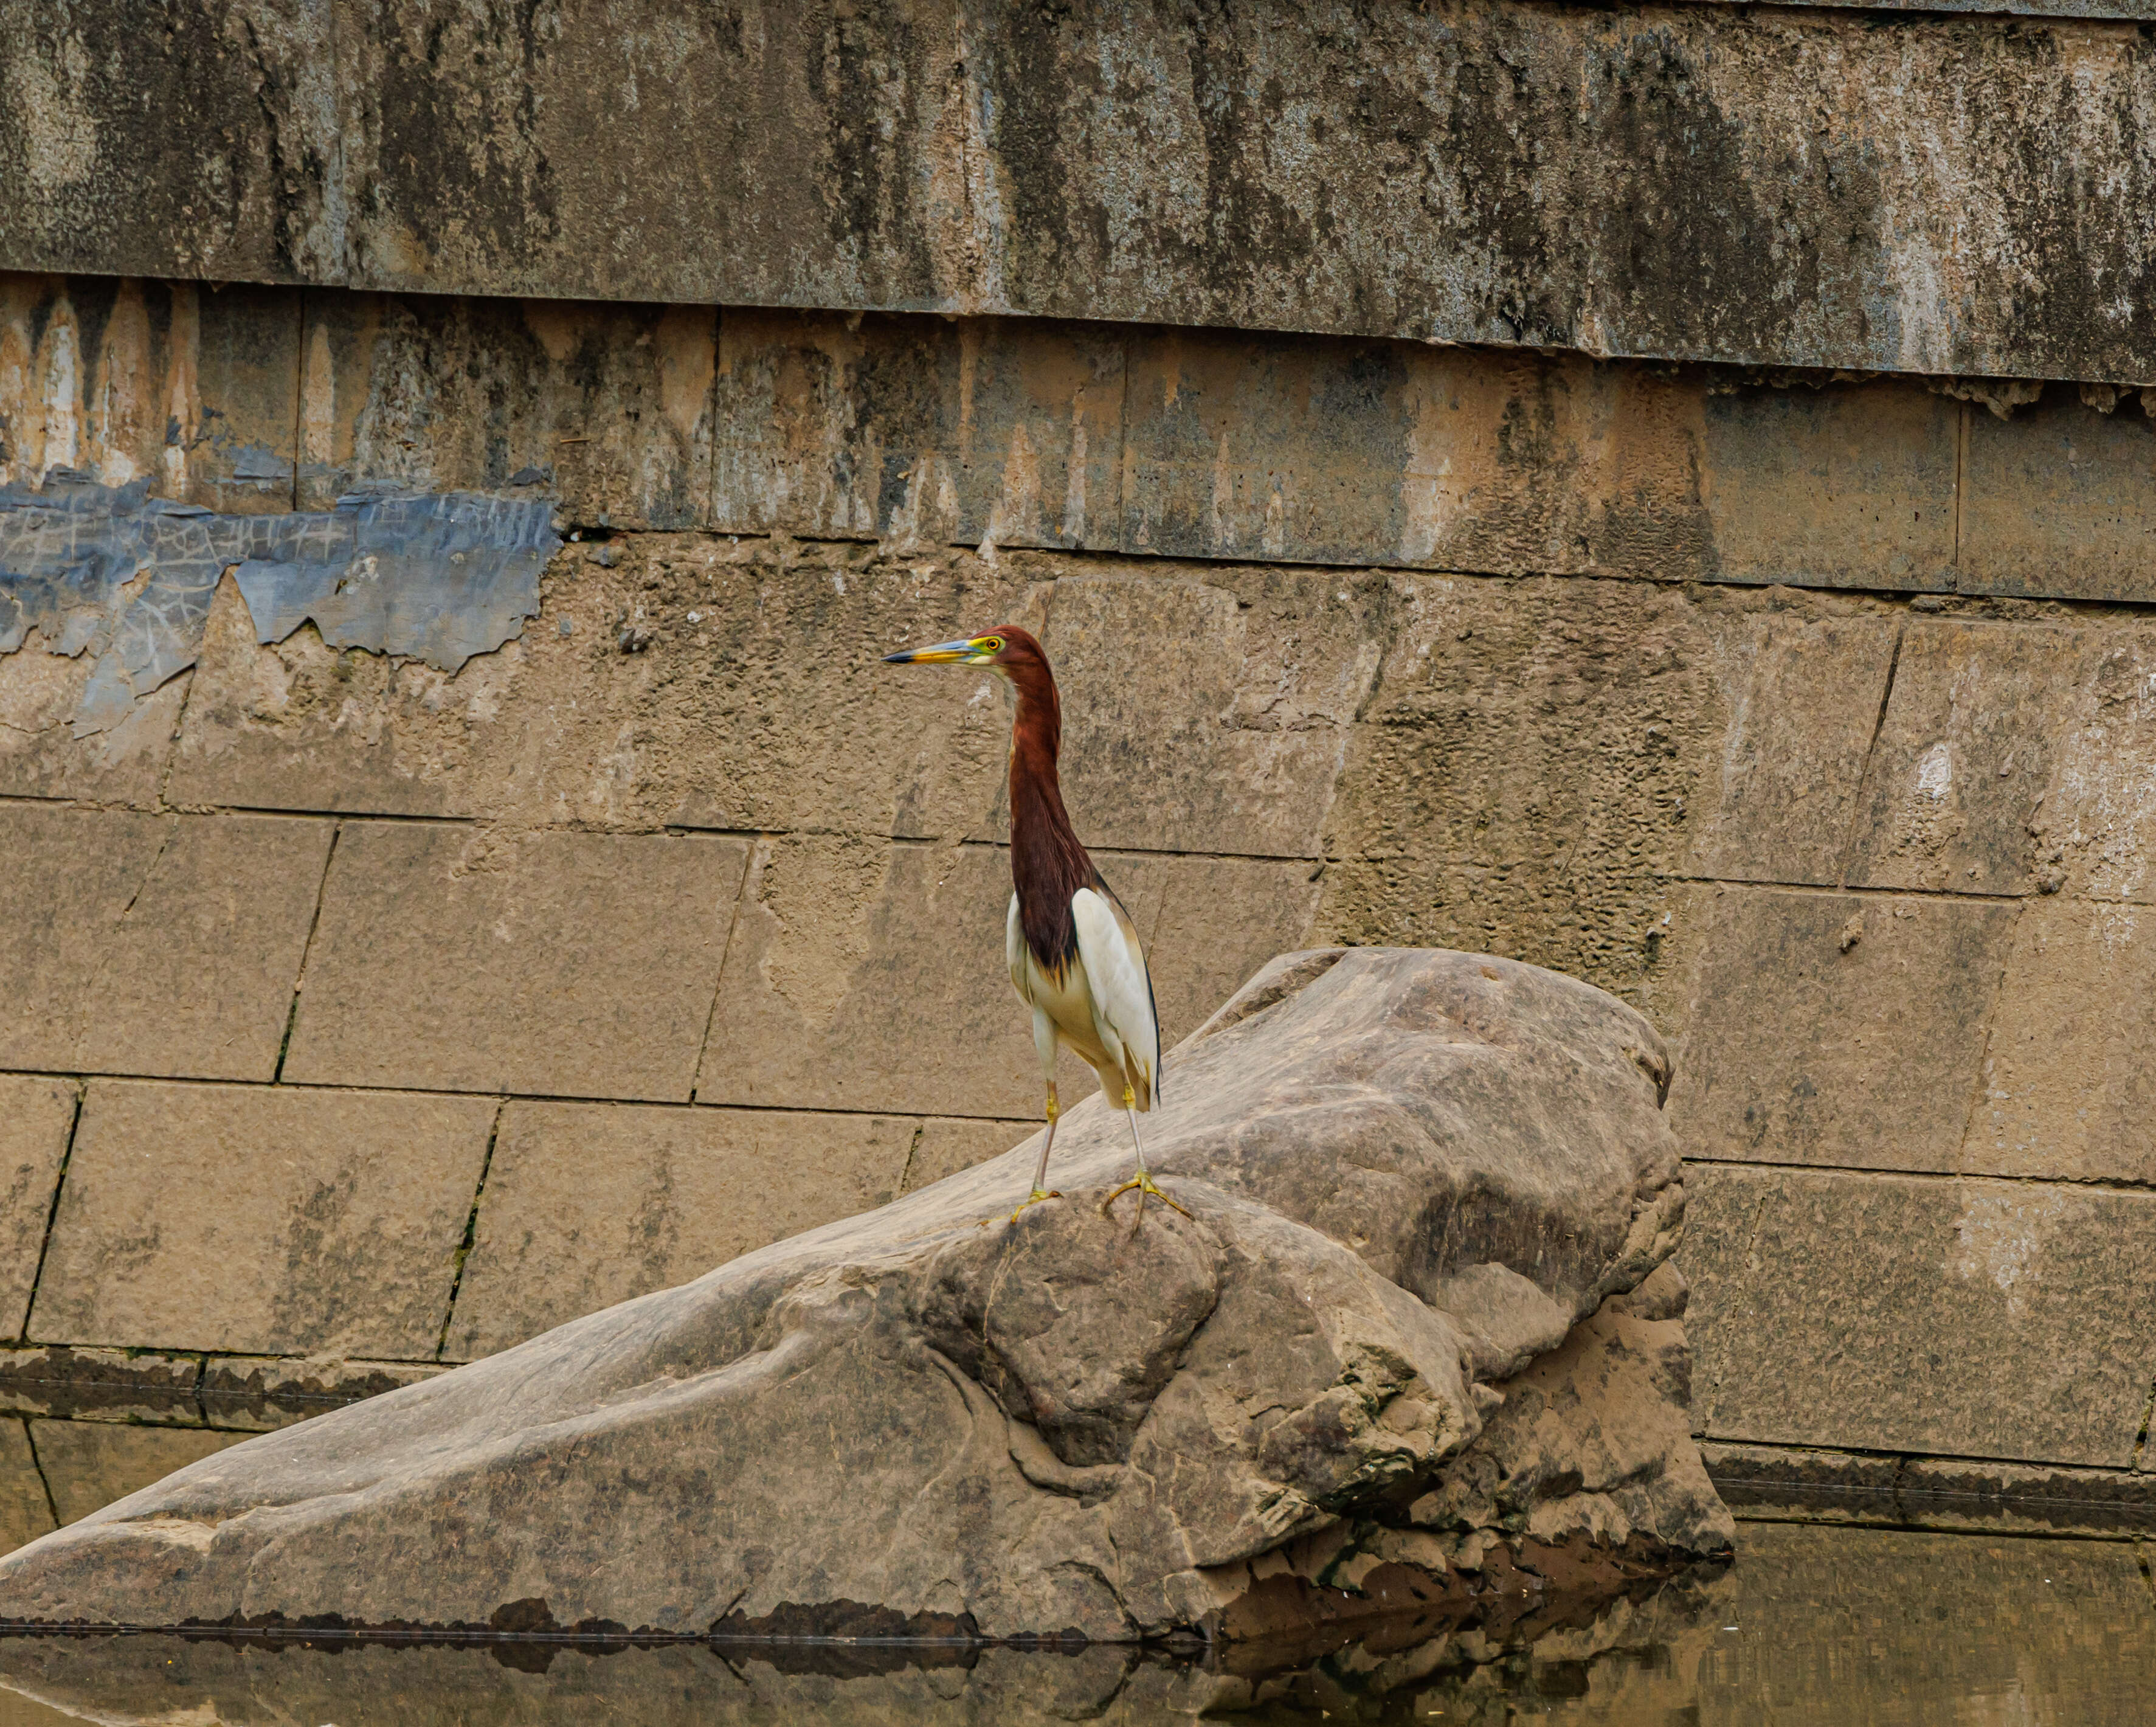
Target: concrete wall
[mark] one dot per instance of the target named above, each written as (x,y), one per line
(1968,192)
(384,1012)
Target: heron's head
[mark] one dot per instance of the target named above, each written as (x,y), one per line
(1002,650)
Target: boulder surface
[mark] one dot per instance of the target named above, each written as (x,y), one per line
(1415,1347)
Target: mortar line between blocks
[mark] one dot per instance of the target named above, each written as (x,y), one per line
(44,1481)
(1961,486)
(616,1102)
(52,1211)
(471,1231)
(307,949)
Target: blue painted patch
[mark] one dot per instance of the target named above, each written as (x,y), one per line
(438,577)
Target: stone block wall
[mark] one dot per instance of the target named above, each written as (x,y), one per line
(367,1010)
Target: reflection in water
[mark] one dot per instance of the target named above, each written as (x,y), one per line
(1811,1625)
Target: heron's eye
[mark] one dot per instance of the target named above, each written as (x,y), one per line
(990,644)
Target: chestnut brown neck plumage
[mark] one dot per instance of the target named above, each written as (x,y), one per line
(1048,865)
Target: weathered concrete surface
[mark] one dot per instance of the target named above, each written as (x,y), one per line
(914,429)
(562,963)
(261,1219)
(1331,167)
(948,1144)
(37,1119)
(751,699)
(2055,500)
(1962,1318)
(164,945)
(1864,1050)
(589,1205)
(1802,696)
(607,409)
(191,389)
(2066,1092)
(1965,755)
(1410,1175)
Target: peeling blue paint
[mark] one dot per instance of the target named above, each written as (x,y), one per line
(128,578)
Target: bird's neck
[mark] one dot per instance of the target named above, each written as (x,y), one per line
(1048,863)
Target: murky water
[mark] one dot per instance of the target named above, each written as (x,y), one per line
(1811,1624)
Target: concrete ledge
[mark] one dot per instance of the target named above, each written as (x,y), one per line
(1779,186)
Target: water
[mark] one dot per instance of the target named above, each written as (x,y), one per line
(1811,1624)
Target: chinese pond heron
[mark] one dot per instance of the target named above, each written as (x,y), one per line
(1073,955)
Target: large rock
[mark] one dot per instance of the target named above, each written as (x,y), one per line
(1414,1349)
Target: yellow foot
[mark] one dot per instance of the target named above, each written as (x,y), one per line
(1036,1197)
(1143,1183)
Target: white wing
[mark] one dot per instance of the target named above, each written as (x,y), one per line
(1014,953)
(1122,990)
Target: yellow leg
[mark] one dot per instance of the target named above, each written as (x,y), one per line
(1040,1174)
(1142,1181)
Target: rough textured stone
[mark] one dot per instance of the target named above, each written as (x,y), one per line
(754,701)
(147,944)
(1964,754)
(189,391)
(1957,1317)
(1556,722)
(920,431)
(263,1221)
(121,765)
(1861,1033)
(589,1205)
(2066,1093)
(88,1465)
(2094,830)
(1802,696)
(1237,749)
(37,1119)
(480,959)
(25,1512)
(607,408)
(1409,1175)
(2055,501)
(1523,778)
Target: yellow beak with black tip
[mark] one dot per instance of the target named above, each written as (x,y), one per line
(975,650)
